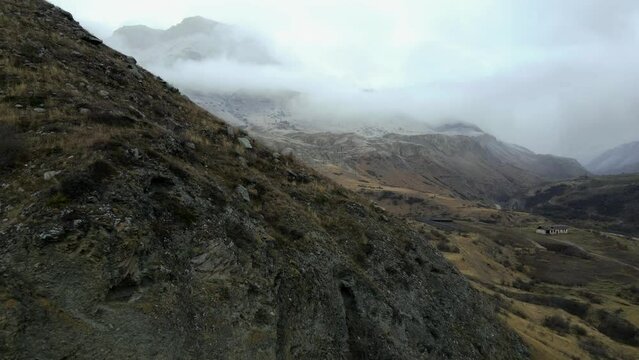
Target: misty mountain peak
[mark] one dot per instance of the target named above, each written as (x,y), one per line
(193,39)
(460,128)
(137,36)
(194,25)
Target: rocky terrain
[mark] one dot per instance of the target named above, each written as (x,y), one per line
(623,159)
(136,225)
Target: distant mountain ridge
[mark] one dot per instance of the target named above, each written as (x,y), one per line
(468,167)
(456,158)
(195,39)
(623,159)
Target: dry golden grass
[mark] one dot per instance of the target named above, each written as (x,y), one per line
(197,139)
(9,115)
(476,261)
(543,343)
(81,139)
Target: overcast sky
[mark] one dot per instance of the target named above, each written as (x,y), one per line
(555,76)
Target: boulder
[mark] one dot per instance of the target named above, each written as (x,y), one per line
(91,39)
(52,234)
(51,174)
(245,142)
(287,152)
(243,192)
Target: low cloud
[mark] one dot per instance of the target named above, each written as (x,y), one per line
(556,77)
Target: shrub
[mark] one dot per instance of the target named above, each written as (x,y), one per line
(523,285)
(413,200)
(557,323)
(618,328)
(593,298)
(579,330)
(595,348)
(447,247)
(12,148)
(630,293)
(570,306)
(438,235)
(519,313)
(57,200)
(112,119)
(76,185)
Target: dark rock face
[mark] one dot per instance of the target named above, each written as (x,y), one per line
(143,248)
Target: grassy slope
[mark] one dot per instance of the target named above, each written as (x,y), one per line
(517,266)
(609,203)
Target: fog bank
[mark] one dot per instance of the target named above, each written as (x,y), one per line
(556,77)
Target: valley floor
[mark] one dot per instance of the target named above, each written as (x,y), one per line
(571,296)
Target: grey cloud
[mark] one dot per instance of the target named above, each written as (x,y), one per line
(554,76)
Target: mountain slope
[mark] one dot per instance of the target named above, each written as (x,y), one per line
(609,203)
(454,159)
(136,225)
(623,159)
(469,167)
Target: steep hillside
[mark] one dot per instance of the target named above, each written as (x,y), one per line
(623,159)
(136,225)
(609,203)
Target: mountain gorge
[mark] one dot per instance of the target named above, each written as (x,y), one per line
(137,225)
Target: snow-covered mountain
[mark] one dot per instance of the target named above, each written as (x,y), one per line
(195,38)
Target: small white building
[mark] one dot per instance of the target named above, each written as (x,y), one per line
(552,229)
